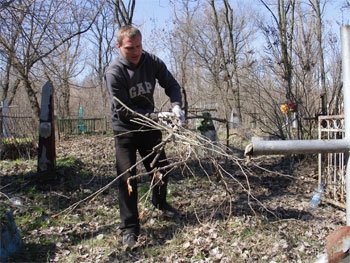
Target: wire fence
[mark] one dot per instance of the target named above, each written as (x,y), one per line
(18,136)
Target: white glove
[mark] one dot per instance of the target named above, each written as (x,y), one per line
(179,113)
(165,118)
(165,115)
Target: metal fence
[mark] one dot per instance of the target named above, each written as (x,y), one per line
(331,166)
(18,126)
(82,126)
(18,136)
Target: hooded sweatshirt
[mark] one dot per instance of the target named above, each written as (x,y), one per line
(134,86)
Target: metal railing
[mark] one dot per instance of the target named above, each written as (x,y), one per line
(17,126)
(18,137)
(331,166)
(81,126)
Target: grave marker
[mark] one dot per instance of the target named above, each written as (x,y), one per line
(47,146)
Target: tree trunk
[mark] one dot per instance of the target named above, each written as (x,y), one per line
(32,98)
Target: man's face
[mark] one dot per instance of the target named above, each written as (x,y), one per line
(131,49)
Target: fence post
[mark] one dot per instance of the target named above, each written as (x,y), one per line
(47,146)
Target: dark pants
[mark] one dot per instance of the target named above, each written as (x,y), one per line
(126,146)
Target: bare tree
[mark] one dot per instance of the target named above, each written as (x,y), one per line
(318,9)
(280,39)
(214,38)
(124,11)
(181,46)
(305,68)
(102,40)
(239,34)
(41,28)
(62,69)
(335,76)
(331,92)
(10,36)
(295,60)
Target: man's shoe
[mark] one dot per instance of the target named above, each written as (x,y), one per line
(129,240)
(168,210)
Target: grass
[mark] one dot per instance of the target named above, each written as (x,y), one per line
(66,162)
(12,140)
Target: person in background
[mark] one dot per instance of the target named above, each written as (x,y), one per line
(131,78)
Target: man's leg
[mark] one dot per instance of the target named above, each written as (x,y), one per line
(151,139)
(125,152)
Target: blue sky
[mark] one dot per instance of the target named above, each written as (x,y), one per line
(152,9)
(160,11)
(149,13)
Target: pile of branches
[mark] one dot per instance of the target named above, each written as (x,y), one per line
(189,146)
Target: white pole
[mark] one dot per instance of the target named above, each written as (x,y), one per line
(283,147)
(345,37)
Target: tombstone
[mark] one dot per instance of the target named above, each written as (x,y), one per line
(47,146)
(235,121)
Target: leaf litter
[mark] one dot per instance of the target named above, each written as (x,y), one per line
(231,211)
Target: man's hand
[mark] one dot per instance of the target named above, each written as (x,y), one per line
(179,114)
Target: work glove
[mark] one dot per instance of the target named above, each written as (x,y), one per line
(165,115)
(179,114)
(166,118)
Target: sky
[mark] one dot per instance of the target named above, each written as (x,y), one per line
(160,11)
(151,13)
(146,10)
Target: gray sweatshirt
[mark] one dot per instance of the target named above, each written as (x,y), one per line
(134,86)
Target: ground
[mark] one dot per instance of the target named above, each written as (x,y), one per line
(232,210)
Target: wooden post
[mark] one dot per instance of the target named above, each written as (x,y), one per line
(47,146)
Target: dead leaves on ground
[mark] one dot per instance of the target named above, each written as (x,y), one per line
(220,222)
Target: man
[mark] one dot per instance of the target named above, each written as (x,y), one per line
(131,78)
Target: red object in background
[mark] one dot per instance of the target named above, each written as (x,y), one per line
(292,106)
